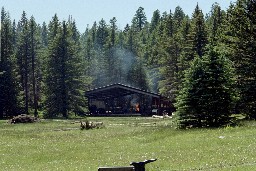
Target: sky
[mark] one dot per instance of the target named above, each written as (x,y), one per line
(85,12)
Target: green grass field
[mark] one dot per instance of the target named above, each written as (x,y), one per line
(61,145)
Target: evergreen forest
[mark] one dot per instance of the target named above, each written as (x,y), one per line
(204,64)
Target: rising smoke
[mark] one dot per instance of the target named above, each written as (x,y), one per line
(122,66)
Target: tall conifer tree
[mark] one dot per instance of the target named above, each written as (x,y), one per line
(139,20)
(36,69)
(8,91)
(24,60)
(207,95)
(196,40)
(65,93)
(241,37)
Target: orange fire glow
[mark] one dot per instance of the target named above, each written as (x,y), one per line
(137,107)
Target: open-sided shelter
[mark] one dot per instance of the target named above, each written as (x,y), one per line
(124,100)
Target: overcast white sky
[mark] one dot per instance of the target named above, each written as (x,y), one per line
(87,11)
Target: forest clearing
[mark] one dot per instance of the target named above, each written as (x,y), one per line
(61,145)
(183,77)
(201,64)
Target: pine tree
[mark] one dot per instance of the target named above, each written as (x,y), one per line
(139,20)
(241,36)
(166,53)
(113,29)
(8,86)
(208,93)
(28,55)
(178,17)
(34,63)
(52,73)
(198,32)
(169,49)
(23,60)
(101,34)
(151,58)
(77,81)
(214,22)
(194,39)
(14,35)
(109,50)
(155,20)
(168,85)
(53,28)
(44,35)
(64,78)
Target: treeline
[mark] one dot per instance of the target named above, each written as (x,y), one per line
(42,68)
(203,64)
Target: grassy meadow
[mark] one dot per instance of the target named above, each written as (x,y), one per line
(61,145)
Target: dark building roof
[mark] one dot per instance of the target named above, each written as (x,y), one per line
(116,90)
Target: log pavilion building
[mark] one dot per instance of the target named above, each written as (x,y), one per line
(123,100)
